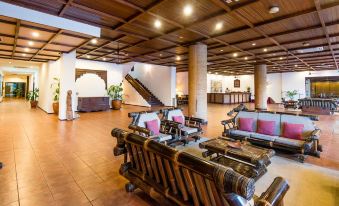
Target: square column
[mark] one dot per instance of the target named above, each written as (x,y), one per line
(197,81)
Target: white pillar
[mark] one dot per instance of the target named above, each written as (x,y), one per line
(197,78)
(67,82)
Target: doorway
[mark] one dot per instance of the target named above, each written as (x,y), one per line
(15,89)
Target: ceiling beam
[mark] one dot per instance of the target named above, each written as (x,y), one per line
(16,35)
(318,6)
(49,41)
(63,10)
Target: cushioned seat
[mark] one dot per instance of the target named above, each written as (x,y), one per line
(241,133)
(164,137)
(263,137)
(289,142)
(189,130)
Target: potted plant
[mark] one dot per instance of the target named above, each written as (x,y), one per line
(56,93)
(115,92)
(291,94)
(33,97)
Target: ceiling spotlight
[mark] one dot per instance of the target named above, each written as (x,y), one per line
(181,37)
(280,58)
(157,23)
(10,62)
(265,50)
(306,44)
(88,56)
(274,9)
(216,73)
(26,49)
(104,59)
(178,58)
(35,34)
(30,43)
(94,41)
(188,10)
(246,58)
(23,55)
(235,54)
(253,44)
(295,65)
(160,55)
(221,50)
(218,26)
(209,72)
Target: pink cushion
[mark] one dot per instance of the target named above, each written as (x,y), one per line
(246,124)
(153,126)
(292,131)
(266,127)
(178,119)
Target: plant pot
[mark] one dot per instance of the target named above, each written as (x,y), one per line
(34,104)
(116,104)
(56,107)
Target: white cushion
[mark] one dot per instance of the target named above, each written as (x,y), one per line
(241,133)
(293,119)
(145,117)
(244,114)
(189,130)
(175,112)
(164,137)
(271,117)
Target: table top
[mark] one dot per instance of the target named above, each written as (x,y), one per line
(248,152)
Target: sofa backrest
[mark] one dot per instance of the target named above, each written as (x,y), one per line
(271,117)
(184,178)
(170,113)
(143,117)
(247,114)
(294,119)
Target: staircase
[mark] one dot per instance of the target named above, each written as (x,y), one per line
(144,91)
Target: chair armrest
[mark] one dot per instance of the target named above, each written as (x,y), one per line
(195,119)
(173,124)
(275,193)
(315,134)
(234,199)
(143,130)
(227,121)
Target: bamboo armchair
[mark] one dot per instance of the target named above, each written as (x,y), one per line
(172,177)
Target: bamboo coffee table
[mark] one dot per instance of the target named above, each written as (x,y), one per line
(248,160)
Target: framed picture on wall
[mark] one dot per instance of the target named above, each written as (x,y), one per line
(216,86)
(237,83)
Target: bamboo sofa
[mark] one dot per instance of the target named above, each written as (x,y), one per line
(318,105)
(170,132)
(308,145)
(172,177)
(191,126)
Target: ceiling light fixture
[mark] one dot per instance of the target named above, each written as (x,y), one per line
(221,50)
(253,44)
(216,73)
(157,23)
(26,49)
(235,54)
(246,58)
(280,58)
(30,43)
(88,56)
(94,41)
(160,55)
(265,50)
(104,59)
(35,34)
(306,44)
(23,55)
(178,58)
(218,26)
(295,65)
(188,10)
(10,62)
(274,9)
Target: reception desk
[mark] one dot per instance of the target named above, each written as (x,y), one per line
(229,97)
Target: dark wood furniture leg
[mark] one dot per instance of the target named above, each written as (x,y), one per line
(0,165)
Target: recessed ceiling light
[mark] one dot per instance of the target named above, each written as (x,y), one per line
(221,50)
(188,10)
(253,44)
(178,58)
(160,55)
(10,62)
(235,54)
(246,58)
(23,55)
(30,43)
(216,73)
(104,59)
(94,41)
(181,37)
(274,9)
(265,50)
(26,49)
(209,72)
(295,65)
(280,58)
(88,56)
(157,23)
(218,26)
(35,34)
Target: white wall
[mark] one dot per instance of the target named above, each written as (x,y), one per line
(90,85)
(160,80)
(277,83)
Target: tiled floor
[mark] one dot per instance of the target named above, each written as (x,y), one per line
(52,162)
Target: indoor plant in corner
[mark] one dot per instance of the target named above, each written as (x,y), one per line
(115,92)
(56,93)
(33,97)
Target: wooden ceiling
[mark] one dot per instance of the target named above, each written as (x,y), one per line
(247,33)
